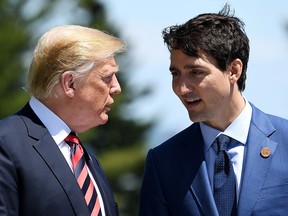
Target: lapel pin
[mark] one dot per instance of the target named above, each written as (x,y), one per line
(265,152)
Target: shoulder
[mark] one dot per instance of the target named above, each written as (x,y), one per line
(20,128)
(280,125)
(271,125)
(258,115)
(16,121)
(10,124)
(179,140)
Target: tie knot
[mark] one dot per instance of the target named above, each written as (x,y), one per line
(72,139)
(222,142)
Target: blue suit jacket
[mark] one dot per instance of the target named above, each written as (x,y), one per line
(35,178)
(176,179)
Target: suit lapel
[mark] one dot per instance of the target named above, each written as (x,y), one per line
(256,167)
(58,165)
(50,153)
(197,176)
(202,190)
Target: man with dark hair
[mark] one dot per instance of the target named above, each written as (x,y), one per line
(233,159)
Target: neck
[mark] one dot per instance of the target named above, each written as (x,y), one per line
(228,114)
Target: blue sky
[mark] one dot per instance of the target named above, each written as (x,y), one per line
(141,24)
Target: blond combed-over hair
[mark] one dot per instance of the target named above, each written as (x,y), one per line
(68,48)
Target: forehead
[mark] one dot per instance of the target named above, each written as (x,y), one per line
(179,59)
(109,65)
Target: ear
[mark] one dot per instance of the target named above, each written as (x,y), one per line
(68,83)
(235,69)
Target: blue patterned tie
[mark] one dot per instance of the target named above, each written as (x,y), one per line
(224,179)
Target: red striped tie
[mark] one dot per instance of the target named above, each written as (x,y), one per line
(81,173)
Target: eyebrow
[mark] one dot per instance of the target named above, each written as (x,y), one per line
(188,66)
(116,69)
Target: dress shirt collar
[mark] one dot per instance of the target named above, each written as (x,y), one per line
(237,130)
(56,127)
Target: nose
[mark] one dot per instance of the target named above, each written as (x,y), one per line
(115,87)
(182,86)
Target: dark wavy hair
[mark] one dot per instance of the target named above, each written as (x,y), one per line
(220,35)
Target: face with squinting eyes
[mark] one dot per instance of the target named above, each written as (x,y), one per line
(204,90)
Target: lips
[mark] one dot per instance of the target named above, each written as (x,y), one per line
(107,108)
(191,103)
(108,104)
(191,100)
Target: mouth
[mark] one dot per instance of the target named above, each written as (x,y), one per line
(107,108)
(191,102)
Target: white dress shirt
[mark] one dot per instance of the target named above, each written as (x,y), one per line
(59,131)
(238,130)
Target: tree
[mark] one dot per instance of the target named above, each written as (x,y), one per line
(119,143)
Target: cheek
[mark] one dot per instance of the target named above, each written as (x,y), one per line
(100,97)
(175,87)
(102,91)
(96,90)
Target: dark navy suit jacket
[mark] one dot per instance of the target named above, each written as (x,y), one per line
(176,179)
(35,178)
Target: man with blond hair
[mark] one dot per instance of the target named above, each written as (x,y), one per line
(44,168)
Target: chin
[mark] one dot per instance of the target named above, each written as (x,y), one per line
(104,120)
(195,118)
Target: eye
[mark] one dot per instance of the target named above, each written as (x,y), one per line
(108,79)
(197,73)
(174,73)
